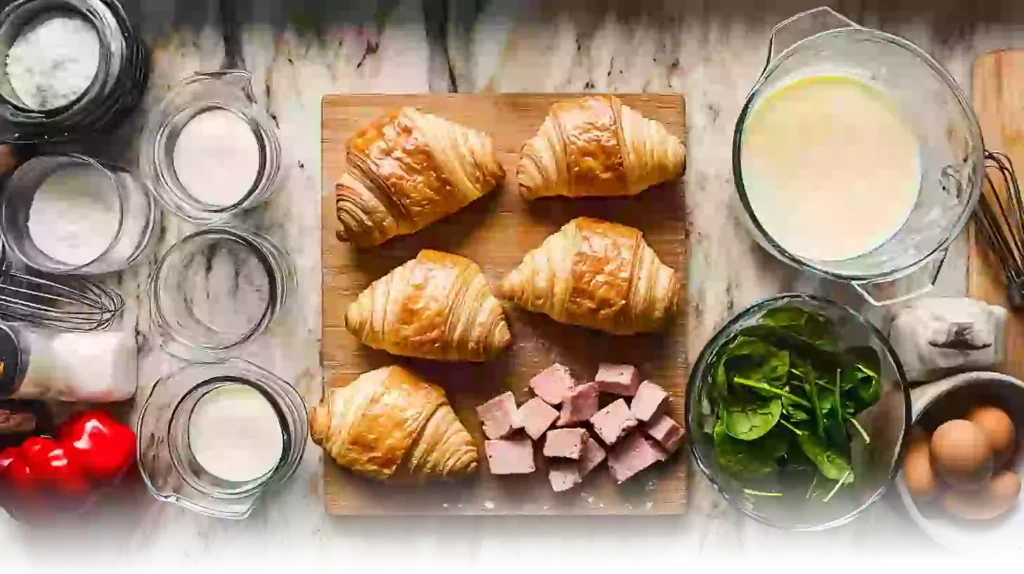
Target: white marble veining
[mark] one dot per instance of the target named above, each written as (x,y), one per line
(300,50)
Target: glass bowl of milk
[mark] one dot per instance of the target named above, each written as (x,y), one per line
(856,156)
(214,437)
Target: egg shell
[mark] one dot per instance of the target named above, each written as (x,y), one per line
(999,430)
(918,474)
(999,495)
(961,454)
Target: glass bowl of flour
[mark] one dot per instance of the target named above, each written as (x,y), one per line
(208,151)
(69,214)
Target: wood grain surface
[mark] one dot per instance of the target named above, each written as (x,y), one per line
(496,231)
(999,103)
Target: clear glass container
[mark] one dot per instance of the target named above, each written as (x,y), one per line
(166,460)
(116,88)
(229,90)
(821,41)
(136,215)
(875,465)
(216,289)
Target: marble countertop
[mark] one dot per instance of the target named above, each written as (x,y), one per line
(300,50)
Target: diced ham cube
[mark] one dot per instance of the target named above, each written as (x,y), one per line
(666,431)
(617,379)
(564,443)
(510,456)
(498,416)
(613,422)
(580,404)
(649,402)
(564,475)
(536,417)
(553,383)
(633,454)
(593,455)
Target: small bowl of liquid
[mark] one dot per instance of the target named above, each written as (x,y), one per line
(214,437)
(856,156)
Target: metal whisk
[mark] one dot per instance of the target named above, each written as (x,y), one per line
(1000,220)
(72,304)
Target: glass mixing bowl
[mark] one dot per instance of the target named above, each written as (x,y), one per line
(822,42)
(874,464)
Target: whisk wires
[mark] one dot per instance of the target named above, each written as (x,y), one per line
(998,218)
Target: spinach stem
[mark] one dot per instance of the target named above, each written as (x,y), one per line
(863,433)
(771,389)
(791,427)
(813,393)
(839,484)
(753,492)
(810,489)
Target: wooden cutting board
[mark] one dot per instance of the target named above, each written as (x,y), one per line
(999,104)
(496,231)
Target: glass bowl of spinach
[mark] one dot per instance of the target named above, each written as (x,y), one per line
(797,412)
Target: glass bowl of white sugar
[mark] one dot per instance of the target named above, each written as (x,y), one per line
(70,214)
(209,151)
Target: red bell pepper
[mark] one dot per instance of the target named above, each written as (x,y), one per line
(91,451)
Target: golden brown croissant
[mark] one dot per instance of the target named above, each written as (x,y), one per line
(408,169)
(389,424)
(437,306)
(597,146)
(596,274)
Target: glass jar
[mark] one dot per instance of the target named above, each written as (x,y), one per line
(228,91)
(216,289)
(167,459)
(116,88)
(135,215)
(822,42)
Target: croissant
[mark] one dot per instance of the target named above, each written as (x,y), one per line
(596,274)
(597,146)
(389,424)
(408,169)
(437,306)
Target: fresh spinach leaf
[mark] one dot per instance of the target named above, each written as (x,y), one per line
(751,421)
(830,462)
(743,459)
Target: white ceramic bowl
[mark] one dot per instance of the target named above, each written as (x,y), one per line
(946,399)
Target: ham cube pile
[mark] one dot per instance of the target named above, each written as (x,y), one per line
(632,431)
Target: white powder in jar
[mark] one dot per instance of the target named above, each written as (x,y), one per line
(90,367)
(53,60)
(74,214)
(216,157)
(234,433)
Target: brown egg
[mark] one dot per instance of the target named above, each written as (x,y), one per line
(961,454)
(917,468)
(999,430)
(999,495)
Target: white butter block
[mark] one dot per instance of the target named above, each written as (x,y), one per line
(935,337)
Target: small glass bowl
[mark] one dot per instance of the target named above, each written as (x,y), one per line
(875,465)
(136,215)
(166,461)
(216,289)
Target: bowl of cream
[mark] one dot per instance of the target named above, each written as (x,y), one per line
(856,156)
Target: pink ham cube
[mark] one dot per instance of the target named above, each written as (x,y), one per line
(552,383)
(579,405)
(564,475)
(617,379)
(593,455)
(498,416)
(564,443)
(536,417)
(613,422)
(649,402)
(510,456)
(633,454)
(666,431)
